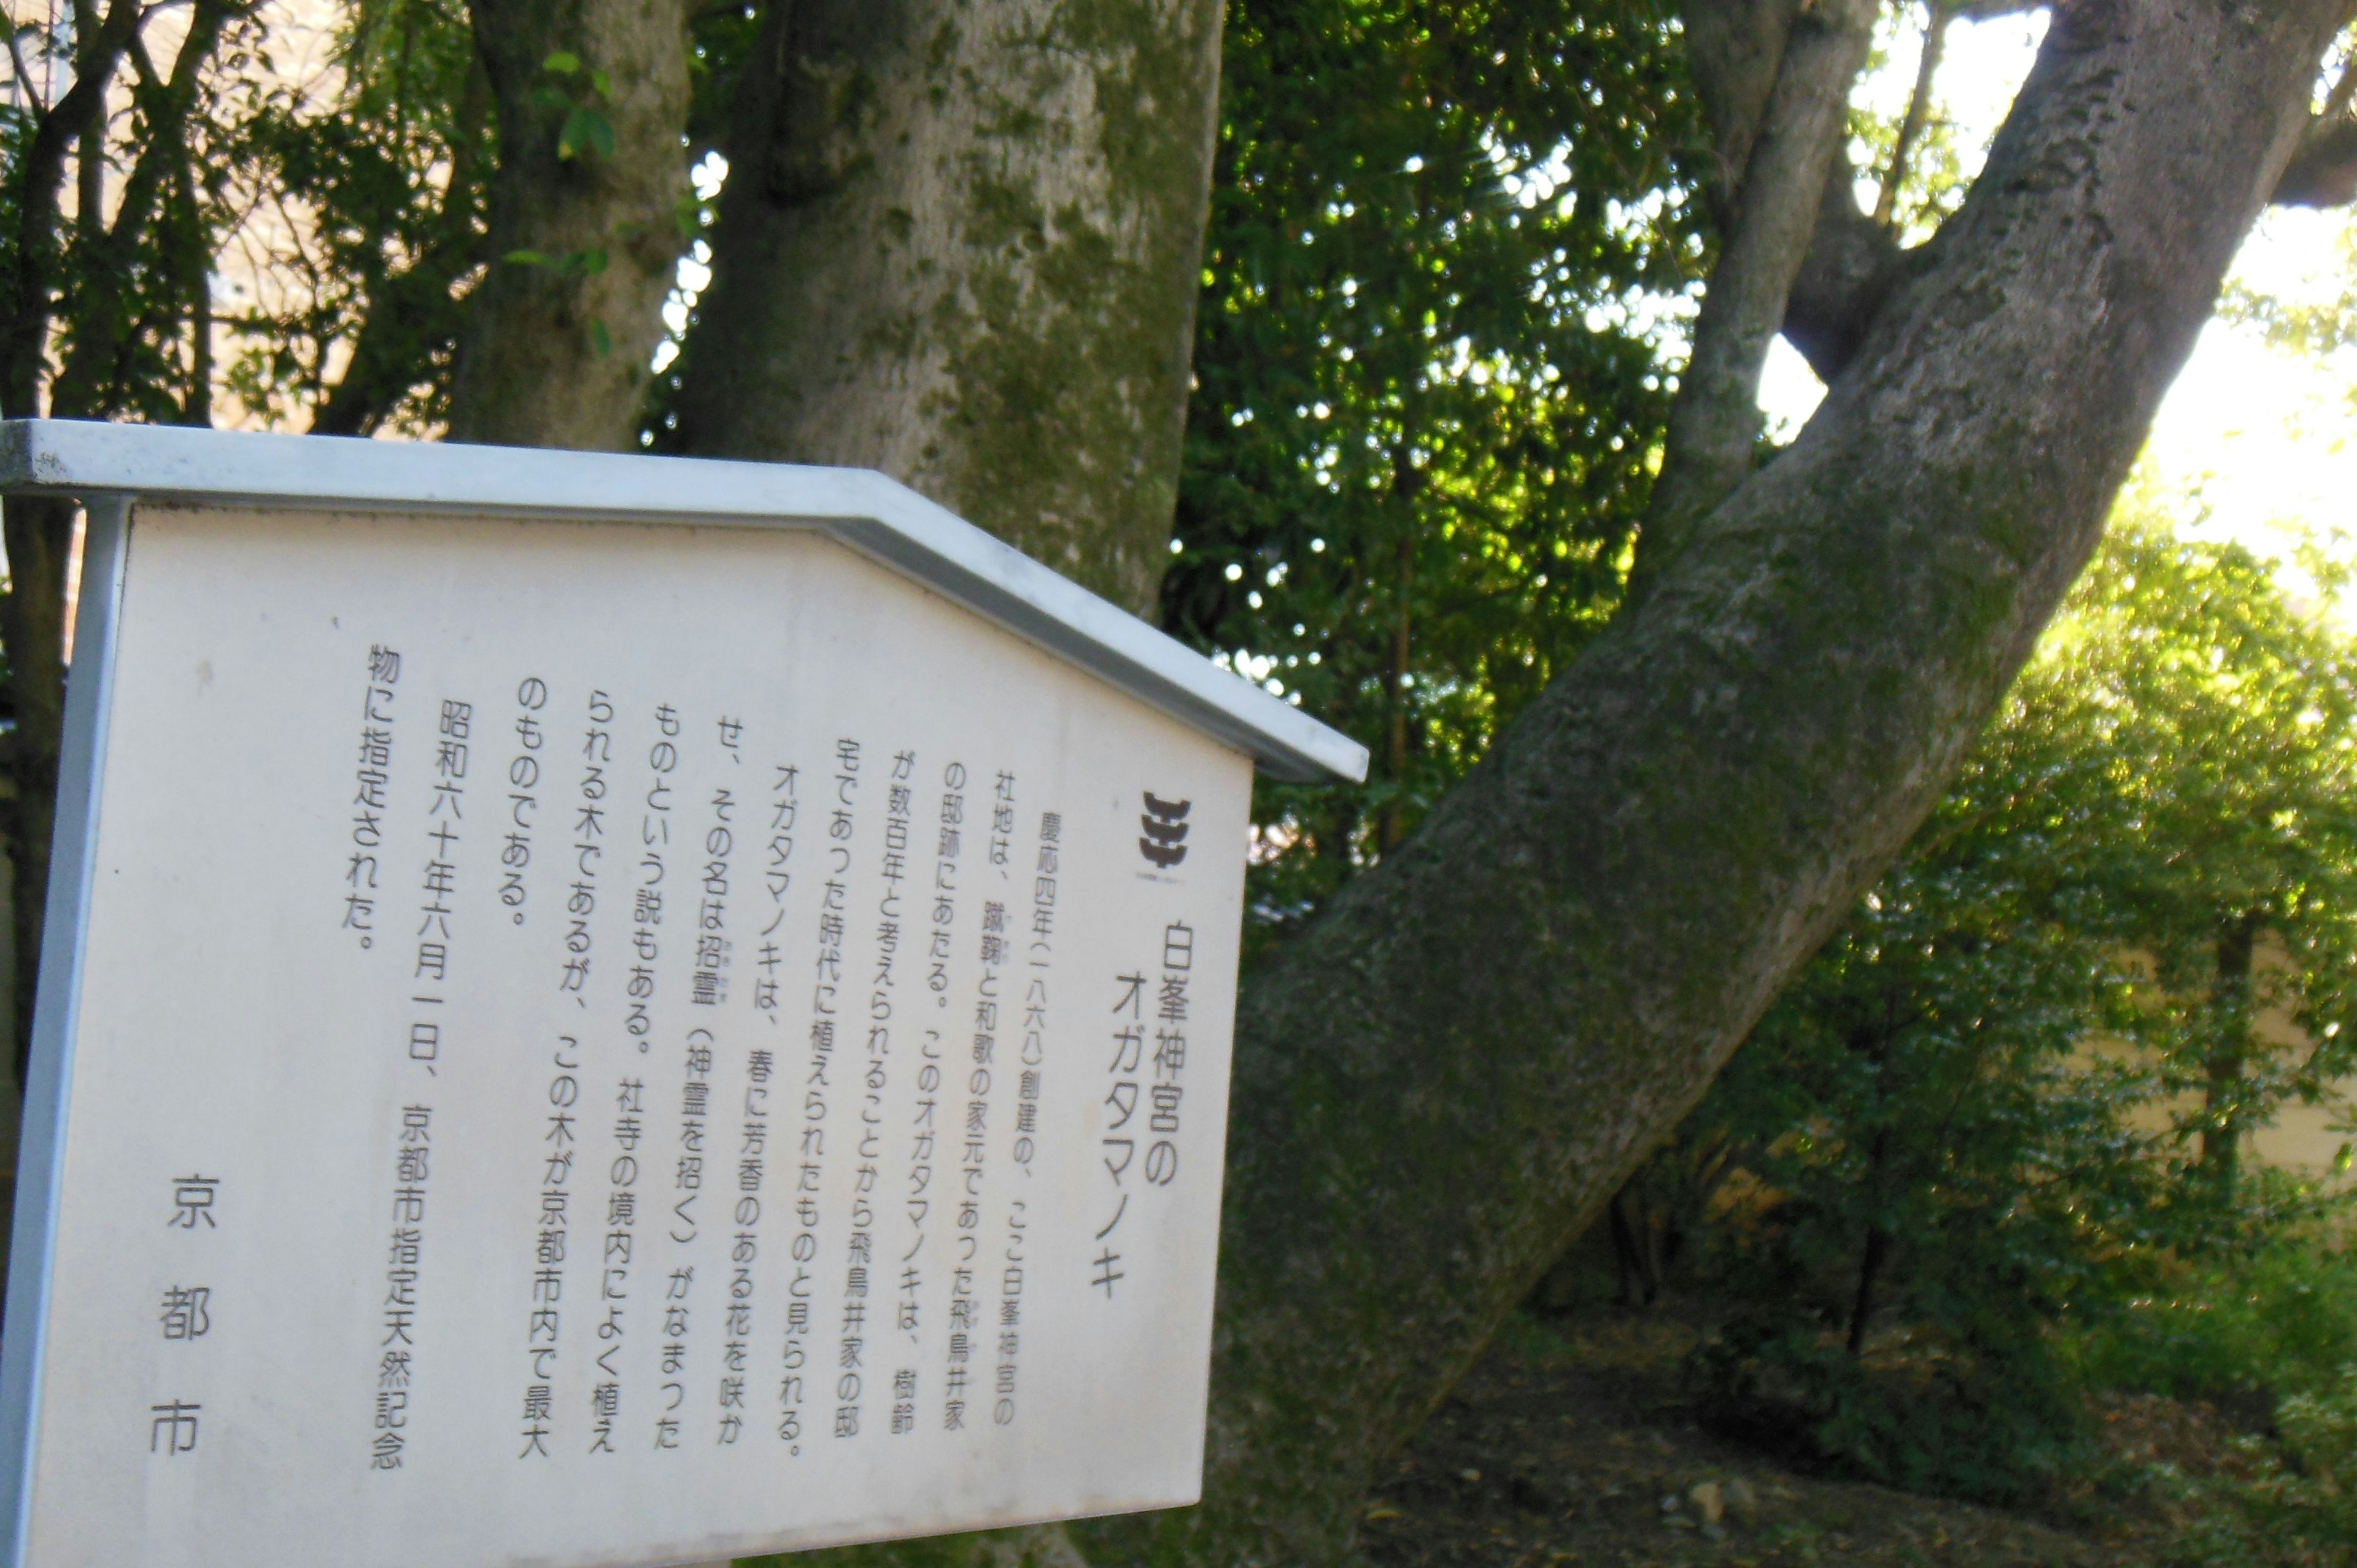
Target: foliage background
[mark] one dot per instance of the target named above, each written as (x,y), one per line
(1445,244)
(1990,1150)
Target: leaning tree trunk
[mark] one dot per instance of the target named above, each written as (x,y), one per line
(1437,1085)
(1447,1075)
(960,243)
(592,98)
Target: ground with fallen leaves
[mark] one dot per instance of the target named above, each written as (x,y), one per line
(1576,1442)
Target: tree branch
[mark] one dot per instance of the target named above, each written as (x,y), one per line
(27,285)
(90,200)
(411,321)
(2323,170)
(17,62)
(412,318)
(85,384)
(1919,109)
(1734,48)
(2344,90)
(1854,265)
(1715,422)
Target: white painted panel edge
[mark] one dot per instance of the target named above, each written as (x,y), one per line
(867,512)
(81,762)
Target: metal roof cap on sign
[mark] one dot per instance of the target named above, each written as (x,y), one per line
(887,522)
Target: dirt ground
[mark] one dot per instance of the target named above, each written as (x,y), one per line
(1575,1443)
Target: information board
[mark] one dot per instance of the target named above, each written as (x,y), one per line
(604,1043)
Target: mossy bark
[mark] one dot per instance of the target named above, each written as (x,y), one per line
(960,243)
(585,227)
(1440,1083)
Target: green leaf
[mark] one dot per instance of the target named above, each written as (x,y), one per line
(563,62)
(528,259)
(586,130)
(601,84)
(599,339)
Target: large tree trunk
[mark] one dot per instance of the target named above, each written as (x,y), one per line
(92,382)
(960,243)
(1437,1085)
(592,98)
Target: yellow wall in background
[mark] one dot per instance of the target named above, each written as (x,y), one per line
(2301,1138)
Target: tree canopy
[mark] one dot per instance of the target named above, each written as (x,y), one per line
(1428,373)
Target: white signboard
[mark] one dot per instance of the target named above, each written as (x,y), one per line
(598,1042)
